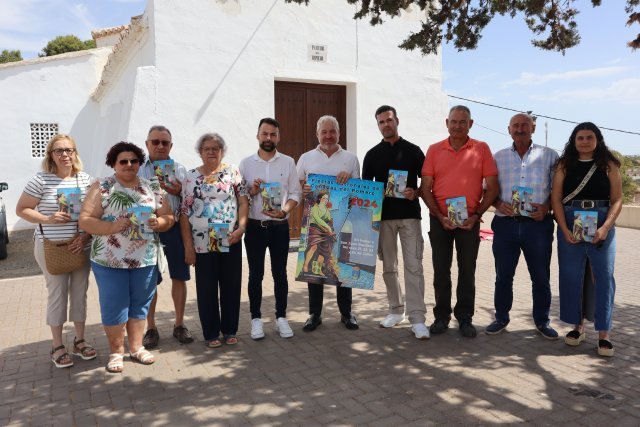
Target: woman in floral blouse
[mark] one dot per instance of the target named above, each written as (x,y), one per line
(124,213)
(215,203)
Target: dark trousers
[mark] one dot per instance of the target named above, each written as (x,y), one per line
(467,244)
(534,239)
(257,239)
(316,295)
(223,271)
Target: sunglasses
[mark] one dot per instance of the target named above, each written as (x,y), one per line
(125,162)
(156,142)
(59,151)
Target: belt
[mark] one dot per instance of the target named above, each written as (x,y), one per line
(588,204)
(520,218)
(267,222)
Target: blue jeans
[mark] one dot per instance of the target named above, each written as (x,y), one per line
(534,239)
(572,259)
(219,271)
(257,239)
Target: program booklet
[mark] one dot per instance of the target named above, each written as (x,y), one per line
(139,217)
(69,201)
(396,183)
(521,199)
(585,224)
(271,193)
(218,237)
(457,210)
(165,169)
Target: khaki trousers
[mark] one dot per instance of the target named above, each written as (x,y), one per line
(410,233)
(63,289)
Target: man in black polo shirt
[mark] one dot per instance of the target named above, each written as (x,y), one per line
(398,164)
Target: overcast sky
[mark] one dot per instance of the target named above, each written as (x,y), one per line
(597,81)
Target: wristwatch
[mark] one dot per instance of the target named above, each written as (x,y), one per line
(478,213)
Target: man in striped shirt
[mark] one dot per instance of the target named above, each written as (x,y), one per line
(171,177)
(523,223)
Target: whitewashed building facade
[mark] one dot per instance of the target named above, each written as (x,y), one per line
(202,65)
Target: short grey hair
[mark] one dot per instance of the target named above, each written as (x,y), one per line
(159,128)
(325,119)
(460,108)
(211,136)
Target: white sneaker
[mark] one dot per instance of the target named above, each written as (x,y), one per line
(420,330)
(257,332)
(391,320)
(282,326)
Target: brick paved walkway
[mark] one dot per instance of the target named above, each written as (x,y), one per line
(331,376)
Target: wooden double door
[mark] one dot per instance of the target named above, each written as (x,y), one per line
(298,106)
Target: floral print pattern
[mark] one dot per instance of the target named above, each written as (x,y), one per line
(211,199)
(118,250)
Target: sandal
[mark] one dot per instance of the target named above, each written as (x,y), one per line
(605,348)
(142,356)
(230,340)
(574,338)
(86,352)
(115,365)
(62,361)
(214,343)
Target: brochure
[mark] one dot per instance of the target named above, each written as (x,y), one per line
(218,237)
(165,169)
(396,183)
(457,210)
(585,224)
(271,193)
(521,199)
(340,230)
(139,217)
(70,201)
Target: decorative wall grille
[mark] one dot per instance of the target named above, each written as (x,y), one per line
(41,133)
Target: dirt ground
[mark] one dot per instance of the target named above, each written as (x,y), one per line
(20,261)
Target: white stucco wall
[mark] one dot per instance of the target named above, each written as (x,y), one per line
(46,90)
(220,76)
(201,66)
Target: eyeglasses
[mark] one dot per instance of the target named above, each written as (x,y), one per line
(156,142)
(125,162)
(59,151)
(211,149)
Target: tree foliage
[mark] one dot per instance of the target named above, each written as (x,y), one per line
(461,21)
(10,56)
(628,184)
(64,44)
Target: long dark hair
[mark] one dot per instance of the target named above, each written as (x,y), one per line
(602,155)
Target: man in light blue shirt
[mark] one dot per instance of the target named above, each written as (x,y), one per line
(159,146)
(523,223)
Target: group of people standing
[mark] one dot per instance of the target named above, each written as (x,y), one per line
(181,215)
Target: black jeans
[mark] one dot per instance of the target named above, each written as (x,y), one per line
(217,270)
(467,244)
(257,239)
(316,296)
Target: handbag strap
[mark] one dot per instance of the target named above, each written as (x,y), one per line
(579,188)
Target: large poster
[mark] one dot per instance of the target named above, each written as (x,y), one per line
(340,229)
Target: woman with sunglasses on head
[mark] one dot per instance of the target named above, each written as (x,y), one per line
(587,184)
(39,204)
(124,213)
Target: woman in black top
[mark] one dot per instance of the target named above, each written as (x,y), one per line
(586,230)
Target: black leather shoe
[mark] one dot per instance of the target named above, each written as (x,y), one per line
(467,329)
(350,322)
(312,323)
(438,327)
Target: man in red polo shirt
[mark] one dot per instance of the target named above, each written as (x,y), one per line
(455,169)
